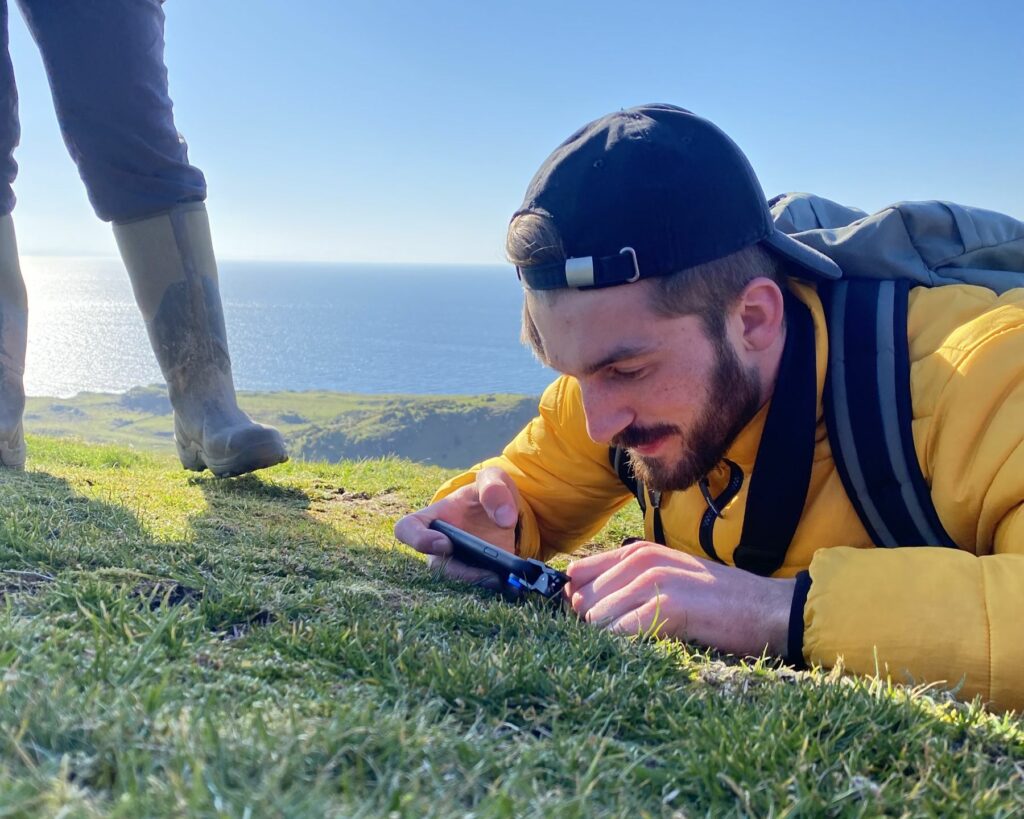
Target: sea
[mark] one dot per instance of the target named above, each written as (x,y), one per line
(362,328)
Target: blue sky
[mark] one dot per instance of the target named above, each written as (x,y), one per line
(407,131)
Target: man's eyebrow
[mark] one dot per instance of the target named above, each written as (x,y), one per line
(620,353)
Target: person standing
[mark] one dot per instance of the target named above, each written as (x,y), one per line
(104,61)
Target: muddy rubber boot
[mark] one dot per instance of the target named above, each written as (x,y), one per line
(13,335)
(174,275)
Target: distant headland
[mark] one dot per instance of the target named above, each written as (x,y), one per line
(445,430)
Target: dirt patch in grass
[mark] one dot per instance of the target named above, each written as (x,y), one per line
(394,598)
(236,631)
(13,581)
(386,503)
(160,593)
(586,550)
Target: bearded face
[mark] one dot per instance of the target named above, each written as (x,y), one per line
(672,390)
(733,398)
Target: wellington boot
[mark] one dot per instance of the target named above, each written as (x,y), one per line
(13,335)
(174,275)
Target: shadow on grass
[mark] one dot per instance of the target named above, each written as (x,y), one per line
(254,555)
(249,487)
(47,527)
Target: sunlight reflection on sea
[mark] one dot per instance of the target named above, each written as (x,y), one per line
(345,328)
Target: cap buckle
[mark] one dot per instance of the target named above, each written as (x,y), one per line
(636,265)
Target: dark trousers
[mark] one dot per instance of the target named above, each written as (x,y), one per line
(105,63)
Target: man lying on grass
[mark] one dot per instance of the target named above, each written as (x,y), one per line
(694,337)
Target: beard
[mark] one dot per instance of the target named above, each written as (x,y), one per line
(734,397)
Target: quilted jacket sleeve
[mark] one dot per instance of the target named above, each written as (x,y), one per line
(934,614)
(567,486)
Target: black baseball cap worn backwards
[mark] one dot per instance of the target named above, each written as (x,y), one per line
(650,191)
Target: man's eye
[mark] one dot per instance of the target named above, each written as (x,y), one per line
(627,374)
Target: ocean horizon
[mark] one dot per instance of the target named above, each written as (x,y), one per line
(296,326)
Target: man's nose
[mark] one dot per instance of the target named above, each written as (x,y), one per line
(606,414)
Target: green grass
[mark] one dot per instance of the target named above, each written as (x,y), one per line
(176,645)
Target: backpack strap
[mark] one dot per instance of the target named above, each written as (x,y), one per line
(785,456)
(869,414)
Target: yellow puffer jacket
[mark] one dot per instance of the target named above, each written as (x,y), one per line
(924,614)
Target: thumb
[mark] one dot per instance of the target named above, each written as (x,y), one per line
(498,496)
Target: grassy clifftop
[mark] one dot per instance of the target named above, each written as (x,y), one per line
(454,431)
(177,645)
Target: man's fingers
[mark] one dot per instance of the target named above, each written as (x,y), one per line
(626,587)
(587,599)
(585,571)
(498,496)
(645,619)
(415,531)
(630,593)
(465,509)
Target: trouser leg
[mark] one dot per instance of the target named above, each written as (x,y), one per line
(10,130)
(104,61)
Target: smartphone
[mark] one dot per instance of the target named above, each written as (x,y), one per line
(517,573)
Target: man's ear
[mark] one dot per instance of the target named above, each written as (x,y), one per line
(758,315)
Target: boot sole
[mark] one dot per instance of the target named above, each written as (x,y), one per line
(261,456)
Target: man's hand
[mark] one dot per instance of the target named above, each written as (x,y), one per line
(644,587)
(487,508)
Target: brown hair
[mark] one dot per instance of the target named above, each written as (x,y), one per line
(707,290)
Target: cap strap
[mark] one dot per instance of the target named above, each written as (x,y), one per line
(583,272)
